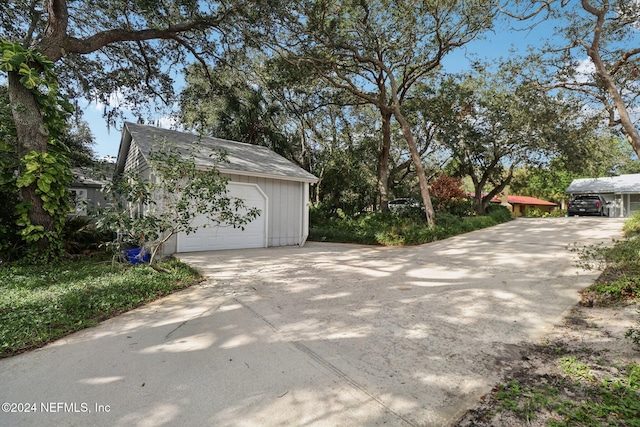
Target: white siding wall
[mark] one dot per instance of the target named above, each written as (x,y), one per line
(135,161)
(285,219)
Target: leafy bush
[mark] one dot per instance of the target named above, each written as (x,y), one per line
(80,234)
(448,196)
(11,245)
(321,214)
(535,212)
(558,213)
(408,227)
(499,213)
(445,188)
(622,254)
(632,225)
(464,206)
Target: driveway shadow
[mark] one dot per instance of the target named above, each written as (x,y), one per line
(427,323)
(323,335)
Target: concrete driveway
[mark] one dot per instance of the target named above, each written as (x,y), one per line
(323,335)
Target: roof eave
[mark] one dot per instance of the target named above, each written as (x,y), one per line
(123,151)
(267,175)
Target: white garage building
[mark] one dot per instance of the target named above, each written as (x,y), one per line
(621,192)
(257,175)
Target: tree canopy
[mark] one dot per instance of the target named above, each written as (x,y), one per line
(94,49)
(493,122)
(377,51)
(597,55)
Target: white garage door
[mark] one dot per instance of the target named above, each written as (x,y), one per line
(211,238)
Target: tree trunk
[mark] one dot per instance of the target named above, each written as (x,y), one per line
(479,201)
(478,186)
(628,128)
(417,161)
(383,162)
(32,135)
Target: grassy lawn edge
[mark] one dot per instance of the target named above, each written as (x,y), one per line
(42,303)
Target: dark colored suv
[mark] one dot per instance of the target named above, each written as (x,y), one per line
(588,204)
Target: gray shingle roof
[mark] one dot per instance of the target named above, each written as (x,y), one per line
(243,159)
(616,184)
(96,176)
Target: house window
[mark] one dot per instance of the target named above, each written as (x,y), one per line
(78,201)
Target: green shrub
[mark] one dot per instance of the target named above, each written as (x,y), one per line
(408,227)
(332,234)
(320,214)
(632,225)
(11,245)
(463,207)
(558,213)
(446,220)
(499,213)
(621,264)
(80,234)
(535,212)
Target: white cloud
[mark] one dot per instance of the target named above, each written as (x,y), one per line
(167,122)
(585,71)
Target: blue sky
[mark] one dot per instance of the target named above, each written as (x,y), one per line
(495,45)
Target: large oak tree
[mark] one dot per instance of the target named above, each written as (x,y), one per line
(377,51)
(106,47)
(493,123)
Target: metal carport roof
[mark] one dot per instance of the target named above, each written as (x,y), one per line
(622,184)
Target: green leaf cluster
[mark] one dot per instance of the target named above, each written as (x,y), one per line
(147,211)
(48,172)
(51,176)
(37,74)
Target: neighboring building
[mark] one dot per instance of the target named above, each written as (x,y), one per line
(85,191)
(521,204)
(623,192)
(518,205)
(259,176)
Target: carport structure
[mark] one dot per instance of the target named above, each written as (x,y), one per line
(622,191)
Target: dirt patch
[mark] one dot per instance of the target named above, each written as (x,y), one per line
(562,372)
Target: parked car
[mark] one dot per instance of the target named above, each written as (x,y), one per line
(588,204)
(399,205)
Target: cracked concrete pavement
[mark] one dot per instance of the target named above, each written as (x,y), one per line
(324,335)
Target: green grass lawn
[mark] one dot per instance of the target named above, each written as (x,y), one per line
(41,303)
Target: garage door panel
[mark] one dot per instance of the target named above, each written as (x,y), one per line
(214,237)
